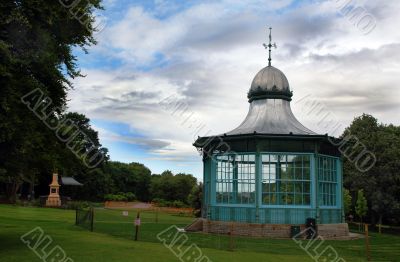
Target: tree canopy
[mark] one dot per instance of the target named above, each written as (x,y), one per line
(381,182)
(36,42)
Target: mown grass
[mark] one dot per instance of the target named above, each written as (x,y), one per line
(113,239)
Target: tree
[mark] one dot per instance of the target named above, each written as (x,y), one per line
(36,40)
(132,177)
(361,205)
(381,182)
(195,198)
(170,187)
(347,201)
(385,198)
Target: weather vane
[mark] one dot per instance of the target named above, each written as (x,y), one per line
(269,46)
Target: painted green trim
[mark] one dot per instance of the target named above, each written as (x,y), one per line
(323,155)
(235,205)
(234,153)
(235,188)
(201,141)
(313,175)
(317,200)
(258,186)
(287,206)
(285,153)
(213,182)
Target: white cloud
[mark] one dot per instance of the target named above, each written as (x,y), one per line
(213,50)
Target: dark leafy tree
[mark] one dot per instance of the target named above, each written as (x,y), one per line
(195,198)
(381,182)
(172,187)
(132,177)
(36,41)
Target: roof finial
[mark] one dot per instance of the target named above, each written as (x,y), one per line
(269,46)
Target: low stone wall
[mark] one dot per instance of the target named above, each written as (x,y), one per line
(270,230)
(148,206)
(118,204)
(333,230)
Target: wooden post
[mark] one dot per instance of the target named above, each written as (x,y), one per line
(91,218)
(137,224)
(367,249)
(231,244)
(379,227)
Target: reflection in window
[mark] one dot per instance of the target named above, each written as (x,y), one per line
(235,179)
(224,179)
(245,179)
(327,181)
(285,179)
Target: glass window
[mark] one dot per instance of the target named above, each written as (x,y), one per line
(235,179)
(246,178)
(285,179)
(224,178)
(327,177)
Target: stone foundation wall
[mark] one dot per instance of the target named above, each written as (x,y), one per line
(270,230)
(333,230)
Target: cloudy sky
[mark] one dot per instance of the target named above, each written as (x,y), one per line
(165,72)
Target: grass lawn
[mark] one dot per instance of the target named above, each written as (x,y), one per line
(112,239)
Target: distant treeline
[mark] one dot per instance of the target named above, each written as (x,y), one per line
(122,182)
(115,179)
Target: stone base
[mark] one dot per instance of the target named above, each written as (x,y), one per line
(327,231)
(196,226)
(53,202)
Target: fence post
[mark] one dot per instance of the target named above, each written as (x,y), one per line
(91,218)
(137,224)
(367,243)
(231,240)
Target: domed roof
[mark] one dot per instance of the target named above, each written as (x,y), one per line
(271,116)
(269,82)
(270,111)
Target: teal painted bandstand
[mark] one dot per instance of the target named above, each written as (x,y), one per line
(271,169)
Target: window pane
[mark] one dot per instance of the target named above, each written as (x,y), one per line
(289,176)
(235,179)
(327,175)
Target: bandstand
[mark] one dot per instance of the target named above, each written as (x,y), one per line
(271,172)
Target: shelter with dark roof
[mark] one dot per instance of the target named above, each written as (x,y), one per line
(271,171)
(69,181)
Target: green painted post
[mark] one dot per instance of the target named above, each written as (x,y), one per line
(316,187)
(212,180)
(258,187)
(235,179)
(278,179)
(207,165)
